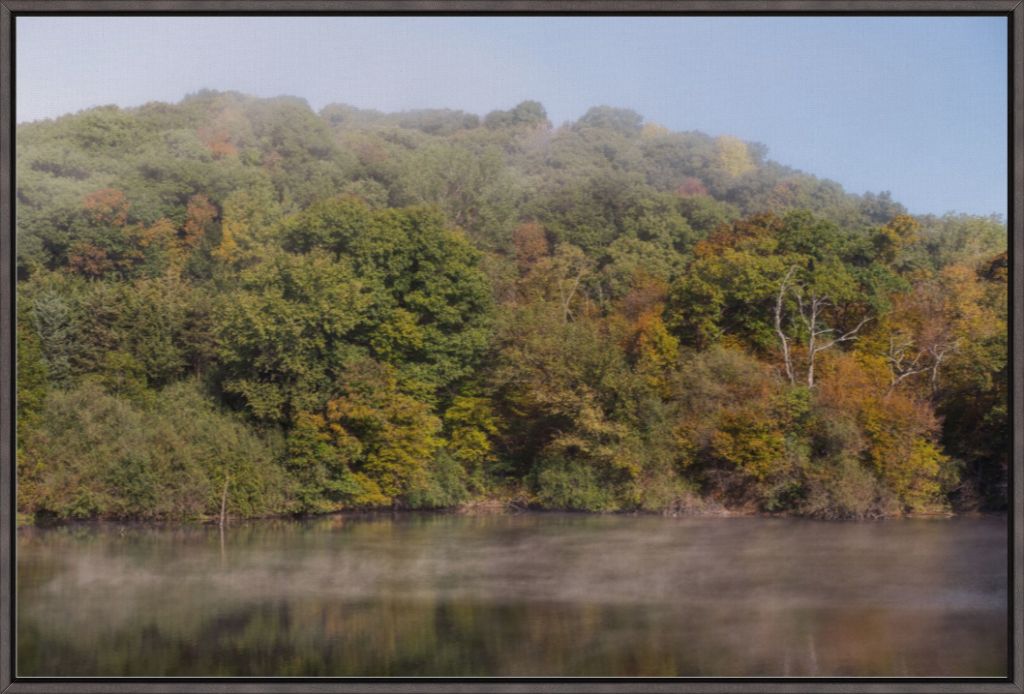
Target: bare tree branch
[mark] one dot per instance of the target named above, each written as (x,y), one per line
(846,337)
(810,313)
(899,369)
(783,339)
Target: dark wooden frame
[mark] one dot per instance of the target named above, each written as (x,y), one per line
(1013,10)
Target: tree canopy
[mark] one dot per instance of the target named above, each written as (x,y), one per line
(242,300)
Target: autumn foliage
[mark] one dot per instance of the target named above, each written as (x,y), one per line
(239,299)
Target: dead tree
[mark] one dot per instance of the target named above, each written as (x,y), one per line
(783,338)
(224,501)
(567,292)
(901,365)
(571,267)
(938,352)
(904,361)
(811,311)
(811,315)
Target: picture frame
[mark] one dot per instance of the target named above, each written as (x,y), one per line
(11,10)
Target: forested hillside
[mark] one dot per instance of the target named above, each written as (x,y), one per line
(240,301)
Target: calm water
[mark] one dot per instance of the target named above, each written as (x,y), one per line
(533,594)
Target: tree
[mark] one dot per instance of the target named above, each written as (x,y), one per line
(527,113)
(898,430)
(472,185)
(531,244)
(285,335)
(471,425)
(392,437)
(107,206)
(165,459)
(200,215)
(620,120)
(730,428)
(322,469)
(814,301)
(247,217)
(733,156)
(731,285)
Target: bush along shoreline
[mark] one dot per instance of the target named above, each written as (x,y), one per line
(240,307)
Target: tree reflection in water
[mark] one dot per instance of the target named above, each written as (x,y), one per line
(533,594)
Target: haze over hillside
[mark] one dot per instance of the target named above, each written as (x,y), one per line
(505,154)
(915,105)
(235,305)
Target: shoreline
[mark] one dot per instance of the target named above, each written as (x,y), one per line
(25,521)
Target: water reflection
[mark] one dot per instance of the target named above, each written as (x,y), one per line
(534,594)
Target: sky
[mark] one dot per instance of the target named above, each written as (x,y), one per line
(913,105)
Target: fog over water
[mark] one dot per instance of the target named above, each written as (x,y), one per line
(532,594)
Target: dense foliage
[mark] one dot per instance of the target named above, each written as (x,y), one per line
(242,302)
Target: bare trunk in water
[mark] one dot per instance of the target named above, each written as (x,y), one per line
(224,501)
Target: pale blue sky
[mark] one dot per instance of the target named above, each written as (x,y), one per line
(913,105)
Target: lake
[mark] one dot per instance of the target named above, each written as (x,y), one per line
(540,594)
